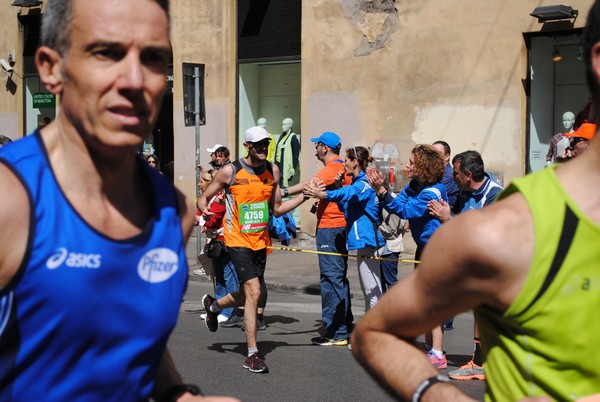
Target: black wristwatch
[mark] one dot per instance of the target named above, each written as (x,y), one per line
(382,196)
(285,192)
(175,391)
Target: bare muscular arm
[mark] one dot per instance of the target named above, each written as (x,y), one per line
(279,208)
(481,257)
(14,221)
(219,182)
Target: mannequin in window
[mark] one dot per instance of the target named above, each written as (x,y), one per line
(560,141)
(262,122)
(287,152)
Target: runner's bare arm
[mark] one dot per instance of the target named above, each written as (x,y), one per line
(280,208)
(14,221)
(296,188)
(222,178)
(477,258)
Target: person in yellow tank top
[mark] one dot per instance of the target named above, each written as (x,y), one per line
(530,266)
(252,190)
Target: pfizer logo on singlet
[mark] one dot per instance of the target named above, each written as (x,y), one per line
(158,265)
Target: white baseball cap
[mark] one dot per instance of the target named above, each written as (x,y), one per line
(213,149)
(256,134)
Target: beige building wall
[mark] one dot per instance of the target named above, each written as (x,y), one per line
(433,69)
(9,40)
(447,70)
(203,32)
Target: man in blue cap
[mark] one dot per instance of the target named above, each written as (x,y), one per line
(331,238)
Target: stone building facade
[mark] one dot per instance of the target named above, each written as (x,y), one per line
(477,74)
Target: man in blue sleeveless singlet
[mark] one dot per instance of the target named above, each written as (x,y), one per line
(528,265)
(92,247)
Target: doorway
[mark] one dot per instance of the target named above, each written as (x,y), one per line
(557,84)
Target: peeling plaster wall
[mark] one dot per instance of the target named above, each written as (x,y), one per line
(447,70)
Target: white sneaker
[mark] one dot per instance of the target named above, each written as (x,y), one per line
(199,272)
(221,318)
(203,316)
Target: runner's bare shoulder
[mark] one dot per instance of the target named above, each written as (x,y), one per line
(14,223)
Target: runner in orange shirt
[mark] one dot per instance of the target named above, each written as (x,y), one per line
(251,187)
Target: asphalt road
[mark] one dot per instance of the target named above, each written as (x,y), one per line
(299,371)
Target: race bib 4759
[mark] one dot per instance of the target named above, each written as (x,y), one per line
(254,217)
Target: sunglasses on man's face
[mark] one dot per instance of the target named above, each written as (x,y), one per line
(260,144)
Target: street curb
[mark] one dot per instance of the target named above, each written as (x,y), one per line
(276,286)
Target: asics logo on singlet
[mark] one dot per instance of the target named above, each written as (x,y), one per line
(158,265)
(73,260)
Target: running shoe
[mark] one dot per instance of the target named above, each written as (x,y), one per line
(233,321)
(438,362)
(469,371)
(221,318)
(322,341)
(211,321)
(256,364)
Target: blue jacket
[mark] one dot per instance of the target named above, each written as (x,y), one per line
(452,189)
(356,200)
(282,228)
(485,195)
(411,204)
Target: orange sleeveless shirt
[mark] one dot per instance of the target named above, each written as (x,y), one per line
(247,216)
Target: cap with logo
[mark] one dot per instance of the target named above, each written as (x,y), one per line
(256,134)
(213,149)
(331,139)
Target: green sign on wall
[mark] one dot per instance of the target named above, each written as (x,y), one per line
(44,100)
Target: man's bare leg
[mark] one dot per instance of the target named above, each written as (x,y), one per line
(252,293)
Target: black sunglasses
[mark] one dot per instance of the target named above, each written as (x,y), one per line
(260,144)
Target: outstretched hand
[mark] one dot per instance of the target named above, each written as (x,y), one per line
(313,188)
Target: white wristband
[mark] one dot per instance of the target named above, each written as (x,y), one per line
(424,386)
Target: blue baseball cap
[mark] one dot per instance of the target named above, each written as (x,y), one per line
(330,139)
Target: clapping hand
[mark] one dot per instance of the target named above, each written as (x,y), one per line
(339,179)
(375,179)
(439,209)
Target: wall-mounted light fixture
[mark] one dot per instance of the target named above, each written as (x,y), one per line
(6,67)
(556,54)
(554,13)
(26,3)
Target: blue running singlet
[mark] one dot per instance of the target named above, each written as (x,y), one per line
(87,317)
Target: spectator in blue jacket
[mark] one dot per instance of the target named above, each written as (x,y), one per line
(425,168)
(448,180)
(361,209)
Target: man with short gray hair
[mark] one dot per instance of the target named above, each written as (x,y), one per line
(93,266)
